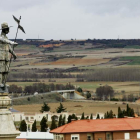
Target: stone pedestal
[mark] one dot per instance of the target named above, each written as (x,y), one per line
(7,127)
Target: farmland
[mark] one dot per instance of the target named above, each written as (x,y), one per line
(34,58)
(116,66)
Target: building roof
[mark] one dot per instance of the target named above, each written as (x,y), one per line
(99,125)
(13,110)
(35,135)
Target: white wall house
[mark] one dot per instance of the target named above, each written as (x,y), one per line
(19,116)
(94,116)
(35,135)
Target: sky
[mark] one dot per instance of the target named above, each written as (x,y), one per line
(73,19)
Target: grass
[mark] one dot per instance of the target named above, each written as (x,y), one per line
(86,107)
(135,60)
(26,47)
(133,46)
(49,97)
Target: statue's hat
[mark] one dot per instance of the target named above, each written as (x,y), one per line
(4,25)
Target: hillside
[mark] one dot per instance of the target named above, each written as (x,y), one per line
(40,98)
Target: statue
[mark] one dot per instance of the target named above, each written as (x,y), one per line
(6,47)
(7,127)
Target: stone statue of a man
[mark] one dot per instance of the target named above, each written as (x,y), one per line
(5,50)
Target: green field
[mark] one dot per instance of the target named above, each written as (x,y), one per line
(133,46)
(134,60)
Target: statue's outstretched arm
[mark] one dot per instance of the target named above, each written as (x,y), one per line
(4,40)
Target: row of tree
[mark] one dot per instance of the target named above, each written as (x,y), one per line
(129,112)
(31,75)
(116,75)
(39,87)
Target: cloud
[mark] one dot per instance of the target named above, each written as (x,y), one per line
(8,5)
(80,19)
(110,6)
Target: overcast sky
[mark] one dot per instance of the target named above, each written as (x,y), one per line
(80,19)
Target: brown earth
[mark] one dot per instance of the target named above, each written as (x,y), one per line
(86,107)
(79,61)
(51,45)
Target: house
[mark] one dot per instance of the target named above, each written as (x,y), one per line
(19,116)
(35,136)
(100,129)
(101,115)
(31,117)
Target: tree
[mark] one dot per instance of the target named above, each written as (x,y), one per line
(15,89)
(23,126)
(63,120)
(60,121)
(53,124)
(79,89)
(45,107)
(60,108)
(72,117)
(91,116)
(43,124)
(98,116)
(83,116)
(103,92)
(109,114)
(34,129)
(69,118)
(120,113)
(129,111)
(88,95)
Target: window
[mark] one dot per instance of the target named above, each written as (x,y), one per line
(75,137)
(27,118)
(88,137)
(99,138)
(138,135)
(108,136)
(32,117)
(126,136)
(58,137)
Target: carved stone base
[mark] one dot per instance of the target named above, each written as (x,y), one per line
(7,127)
(5,101)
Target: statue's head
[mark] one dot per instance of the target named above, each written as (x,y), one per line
(5,28)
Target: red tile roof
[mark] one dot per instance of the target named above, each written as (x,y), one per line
(99,125)
(20,139)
